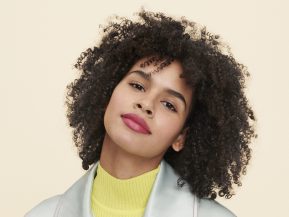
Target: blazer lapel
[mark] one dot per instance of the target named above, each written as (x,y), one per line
(166,198)
(75,201)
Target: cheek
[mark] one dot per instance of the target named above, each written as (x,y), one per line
(117,103)
(169,127)
(115,99)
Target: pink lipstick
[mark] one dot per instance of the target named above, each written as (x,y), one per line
(135,123)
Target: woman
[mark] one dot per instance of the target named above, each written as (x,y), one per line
(160,115)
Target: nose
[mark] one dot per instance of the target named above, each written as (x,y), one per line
(145,108)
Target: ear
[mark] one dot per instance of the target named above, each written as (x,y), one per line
(178,144)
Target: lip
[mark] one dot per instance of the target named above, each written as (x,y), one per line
(135,123)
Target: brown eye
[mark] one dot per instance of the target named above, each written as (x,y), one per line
(136,86)
(170,106)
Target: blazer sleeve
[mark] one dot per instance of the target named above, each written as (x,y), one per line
(45,208)
(211,208)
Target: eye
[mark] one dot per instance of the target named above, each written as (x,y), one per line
(170,106)
(137,86)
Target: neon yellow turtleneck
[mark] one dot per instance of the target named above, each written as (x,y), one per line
(113,197)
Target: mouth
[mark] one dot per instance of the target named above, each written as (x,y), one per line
(135,123)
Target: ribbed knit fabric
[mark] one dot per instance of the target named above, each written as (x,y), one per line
(113,197)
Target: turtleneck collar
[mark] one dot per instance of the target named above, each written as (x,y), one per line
(122,194)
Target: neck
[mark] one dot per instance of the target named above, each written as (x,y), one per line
(114,159)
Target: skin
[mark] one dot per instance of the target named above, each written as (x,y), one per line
(136,152)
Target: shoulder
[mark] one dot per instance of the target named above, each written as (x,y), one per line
(211,208)
(46,208)
(184,202)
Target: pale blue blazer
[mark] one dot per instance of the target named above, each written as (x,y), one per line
(166,199)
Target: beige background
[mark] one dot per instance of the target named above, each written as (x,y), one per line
(40,41)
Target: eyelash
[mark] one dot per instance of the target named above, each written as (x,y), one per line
(141,88)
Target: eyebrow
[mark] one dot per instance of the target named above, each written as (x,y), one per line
(147,76)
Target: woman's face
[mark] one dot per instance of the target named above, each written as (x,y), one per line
(162,100)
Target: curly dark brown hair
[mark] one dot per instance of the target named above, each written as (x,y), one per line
(221,123)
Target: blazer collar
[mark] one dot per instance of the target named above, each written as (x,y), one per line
(166,198)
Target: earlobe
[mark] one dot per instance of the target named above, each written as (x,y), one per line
(178,145)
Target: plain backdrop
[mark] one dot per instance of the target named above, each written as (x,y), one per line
(40,42)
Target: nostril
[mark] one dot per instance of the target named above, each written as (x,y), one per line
(149,112)
(138,105)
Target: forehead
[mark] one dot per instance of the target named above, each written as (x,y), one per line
(155,62)
(154,67)
(165,73)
